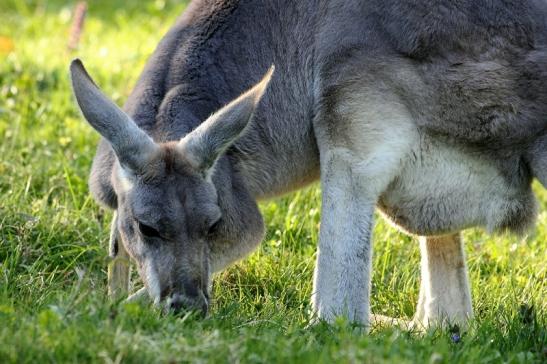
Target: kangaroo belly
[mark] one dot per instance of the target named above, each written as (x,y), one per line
(442,189)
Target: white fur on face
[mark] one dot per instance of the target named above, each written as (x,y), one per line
(152,282)
(125,179)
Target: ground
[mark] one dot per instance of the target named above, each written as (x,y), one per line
(53,236)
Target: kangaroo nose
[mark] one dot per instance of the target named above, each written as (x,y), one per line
(178,304)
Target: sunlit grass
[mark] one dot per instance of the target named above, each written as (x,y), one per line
(53,236)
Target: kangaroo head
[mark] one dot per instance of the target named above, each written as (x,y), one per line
(168,211)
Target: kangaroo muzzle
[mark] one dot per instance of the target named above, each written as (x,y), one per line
(180,303)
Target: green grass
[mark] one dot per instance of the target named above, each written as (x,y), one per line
(53,236)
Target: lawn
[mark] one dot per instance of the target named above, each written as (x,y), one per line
(53,237)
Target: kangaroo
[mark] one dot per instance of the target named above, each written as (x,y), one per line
(434,112)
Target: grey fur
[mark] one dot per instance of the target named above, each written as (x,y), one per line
(131,144)
(435,111)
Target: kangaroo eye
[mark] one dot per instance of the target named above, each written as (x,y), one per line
(148,231)
(213,228)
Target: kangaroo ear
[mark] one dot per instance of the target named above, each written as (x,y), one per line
(131,145)
(203,146)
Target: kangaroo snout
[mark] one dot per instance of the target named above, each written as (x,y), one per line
(180,303)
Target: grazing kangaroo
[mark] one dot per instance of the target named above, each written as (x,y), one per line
(434,112)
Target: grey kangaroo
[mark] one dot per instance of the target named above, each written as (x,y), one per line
(433,112)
